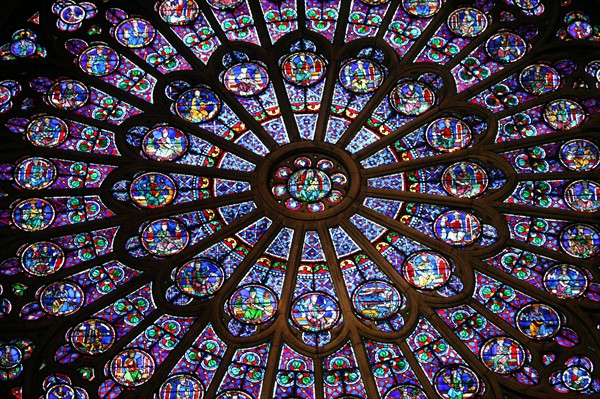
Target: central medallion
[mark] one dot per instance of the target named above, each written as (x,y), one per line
(309,185)
(310,182)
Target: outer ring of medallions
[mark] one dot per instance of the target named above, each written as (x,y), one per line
(276,211)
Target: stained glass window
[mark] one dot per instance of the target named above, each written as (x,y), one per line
(301,199)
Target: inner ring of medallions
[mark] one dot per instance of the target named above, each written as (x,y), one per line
(307,181)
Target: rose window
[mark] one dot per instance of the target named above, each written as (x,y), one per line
(300,199)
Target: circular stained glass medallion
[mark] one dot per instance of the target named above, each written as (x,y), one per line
(376,300)
(225,4)
(93,336)
(198,105)
(457,228)
(422,8)
(583,196)
(23,48)
(457,381)
(581,240)
(465,180)
(539,79)
(563,114)
(234,395)
(506,47)
(164,144)
(182,385)
(426,270)
(42,258)
(580,29)
(565,281)
(374,2)
(200,278)
(47,131)
(303,68)
(528,4)
(35,173)
(361,76)
(10,356)
(467,22)
(315,312)
(62,298)
(538,321)
(580,155)
(68,95)
(310,184)
(33,214)
(503,355)
(448,134)
(165,237)
(135,33)
(153,190)
(412,98)
(246,79)
(406,392)
(577,378)
(99,60)
(72,14)
(60,391)
(253,304)
(178,12)
(132,367)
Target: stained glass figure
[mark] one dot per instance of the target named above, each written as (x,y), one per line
(506,47)
(253,304)
(315,312)
(301,199)
(33,214)
(426,270)
(465,179)
(35,173)
(99,60)
(565,281)
(563,114)
(580,240)
(412,98)
(68,94)
(165,237)
(153,190)
(198,105)
(580,155)
(422,8)
(457,228)
(467,22)
(24,45)
(61,298)
(246,79)
(539,79)
(303,68)
(538,321)
(92,336)
(201,278)
(178,12)
(47,131)
(376,300)
(448,134)
(457,381)
(503,355)
(164,144)
(361,76)
(132,367)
